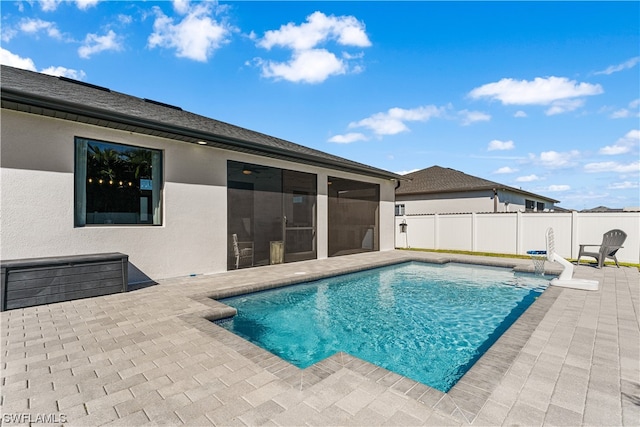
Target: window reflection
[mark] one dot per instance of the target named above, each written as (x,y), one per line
(117,184)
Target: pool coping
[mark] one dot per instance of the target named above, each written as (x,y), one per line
(462,402)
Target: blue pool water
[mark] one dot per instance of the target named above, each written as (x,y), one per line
(427,322)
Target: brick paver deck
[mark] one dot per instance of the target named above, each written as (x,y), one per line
(153,357)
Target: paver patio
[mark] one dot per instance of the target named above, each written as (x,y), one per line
(152,357)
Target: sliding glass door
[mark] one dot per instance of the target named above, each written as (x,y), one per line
(299,233)
(353,216)
(271,213)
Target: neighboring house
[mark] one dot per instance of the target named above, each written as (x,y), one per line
(604,209)
(444,190)
(599,209)
(88,170)
(558,209)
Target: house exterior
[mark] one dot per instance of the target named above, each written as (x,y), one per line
(445,190)
(606,209)
(87,170)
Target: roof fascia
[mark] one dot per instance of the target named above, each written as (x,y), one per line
(484,188)
(234,144)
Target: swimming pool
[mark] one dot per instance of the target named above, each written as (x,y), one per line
(427,322)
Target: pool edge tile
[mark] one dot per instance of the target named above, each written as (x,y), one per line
(514,341)
(455,403)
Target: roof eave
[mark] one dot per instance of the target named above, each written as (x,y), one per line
(483,188)
(220,141)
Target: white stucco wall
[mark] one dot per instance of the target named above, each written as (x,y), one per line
(416,204)
(37,199)
(465,202)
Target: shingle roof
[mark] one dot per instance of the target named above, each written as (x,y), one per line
(602,209)
(437,179)
(68,99)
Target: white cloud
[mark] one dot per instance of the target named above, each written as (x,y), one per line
(623,113)
(614,149)
(125,19)
(94,43)
(469,117)
(564,106)
(520,114)
(319,28)
(309,66)
(630,63)
(625,185)
(348,138)
(347,55)
(181,6)
(86,4)
(49,5)
(500,145)
(528,178)
(356,69)
(393,121)
(560,93)
(555,159)
(8,33)
(612,167)
(196,37)
(623,145)
(66,72)
(33,26)
(631,111)
(309,63)
(558,187)
(505,169)
(13,60)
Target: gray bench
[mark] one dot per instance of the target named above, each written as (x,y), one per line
(37,281)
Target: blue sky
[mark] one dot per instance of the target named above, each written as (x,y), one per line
(544,96)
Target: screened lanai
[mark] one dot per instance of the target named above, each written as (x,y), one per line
(353,216)
(272,212)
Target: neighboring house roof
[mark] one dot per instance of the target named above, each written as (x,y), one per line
(68,99)
(557,208)
(602,209)
(437,179)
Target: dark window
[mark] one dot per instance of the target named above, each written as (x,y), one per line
(117,184)
(540,207)
(399,210)
(529,205)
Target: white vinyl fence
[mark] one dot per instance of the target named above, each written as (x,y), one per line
(518,232)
